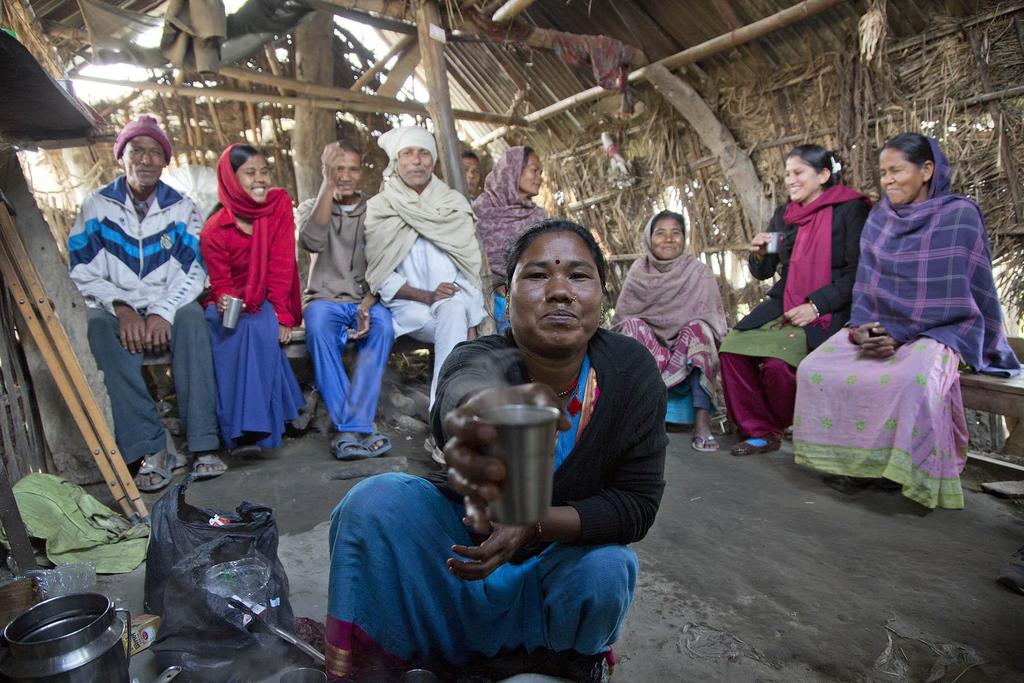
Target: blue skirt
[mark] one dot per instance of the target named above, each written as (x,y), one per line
(392,601)
(256,390)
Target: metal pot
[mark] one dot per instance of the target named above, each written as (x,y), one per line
(73,638)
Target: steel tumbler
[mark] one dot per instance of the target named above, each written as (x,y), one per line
(526,444)
(232,313)
(774,243)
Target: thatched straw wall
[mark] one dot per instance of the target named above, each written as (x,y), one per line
(837,100)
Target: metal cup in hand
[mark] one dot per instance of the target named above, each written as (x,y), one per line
(232,313)
(526,445)
(774,243)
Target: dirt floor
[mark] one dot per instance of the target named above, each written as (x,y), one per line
(754,571)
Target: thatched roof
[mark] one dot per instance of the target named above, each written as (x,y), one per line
(952,68)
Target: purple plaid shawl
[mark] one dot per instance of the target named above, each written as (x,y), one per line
(926,270)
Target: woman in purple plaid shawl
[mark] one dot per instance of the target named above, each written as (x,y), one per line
(880,402)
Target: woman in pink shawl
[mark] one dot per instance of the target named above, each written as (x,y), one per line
(671,304)
(505,210)
(816,262)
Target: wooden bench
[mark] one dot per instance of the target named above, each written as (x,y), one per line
(1000,395)
(296,348)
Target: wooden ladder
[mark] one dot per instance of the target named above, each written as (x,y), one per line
(48,333)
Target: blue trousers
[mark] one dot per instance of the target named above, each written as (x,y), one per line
(137,427)
(389,540)
(352,404)
(256,390)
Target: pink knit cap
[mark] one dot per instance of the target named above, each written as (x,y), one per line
(144,125)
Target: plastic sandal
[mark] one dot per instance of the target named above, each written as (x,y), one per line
(704,444)
(161,483)
(349,448)
(208,460)
(374,438)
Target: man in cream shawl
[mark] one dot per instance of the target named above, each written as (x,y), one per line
(423,257)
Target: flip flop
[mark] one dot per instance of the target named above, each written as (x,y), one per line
(385,446)
(208,460)
(348,447)
(704,444)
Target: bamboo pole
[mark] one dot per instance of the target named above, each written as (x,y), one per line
(378,66)
(510,10)
(357,101)
(740,36)
(432,41)
(332,102)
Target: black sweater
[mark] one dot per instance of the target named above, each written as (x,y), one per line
(835,298)
(614,476)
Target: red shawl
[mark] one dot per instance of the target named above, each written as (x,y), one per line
(810,264)
(273,225)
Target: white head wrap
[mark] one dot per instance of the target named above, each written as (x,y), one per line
(403,137)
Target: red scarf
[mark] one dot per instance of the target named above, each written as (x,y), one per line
(810,264)
(267,217)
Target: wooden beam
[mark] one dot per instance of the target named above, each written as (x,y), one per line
(726,41)
(359,101)
(400,72)
(390,21)
(432,42)
(736,165)
(378,66)
(510,10)
(332,101)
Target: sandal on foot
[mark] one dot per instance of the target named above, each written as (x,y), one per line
(759,444)
(150,466)
(348,447)
(208,461)
(248,450)
(376,438)
(704,444)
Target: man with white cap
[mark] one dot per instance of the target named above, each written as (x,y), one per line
(134,255)
(423,257)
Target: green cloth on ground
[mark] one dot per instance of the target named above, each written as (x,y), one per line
(771,340)
(76,527)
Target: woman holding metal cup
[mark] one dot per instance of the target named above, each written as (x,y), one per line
(421,570)
(248,248)
(813,243)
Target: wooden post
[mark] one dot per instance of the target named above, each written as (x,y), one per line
(314,127)
(432,40)
(736,164)
(14,526)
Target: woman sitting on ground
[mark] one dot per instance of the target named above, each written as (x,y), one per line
(504,210)
(442,593)
(882,399)
(820,245)
(248,248)
(671,304)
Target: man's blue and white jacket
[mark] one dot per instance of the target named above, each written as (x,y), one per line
(153,266)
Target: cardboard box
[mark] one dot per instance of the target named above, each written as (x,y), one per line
(144,627)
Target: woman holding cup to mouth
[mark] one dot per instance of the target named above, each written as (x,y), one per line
(815,238)
(248,248)
(449,585)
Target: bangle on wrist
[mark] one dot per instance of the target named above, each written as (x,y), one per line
(537,531)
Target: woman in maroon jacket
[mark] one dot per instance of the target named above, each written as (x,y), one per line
(248,248)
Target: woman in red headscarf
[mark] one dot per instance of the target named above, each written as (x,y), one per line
(248,248)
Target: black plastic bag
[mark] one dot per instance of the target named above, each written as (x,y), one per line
(177,528)
(199,631)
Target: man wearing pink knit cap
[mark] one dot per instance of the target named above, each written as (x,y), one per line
(134,255)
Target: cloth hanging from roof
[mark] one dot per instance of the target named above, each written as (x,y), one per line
(608,59)
(193,33)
